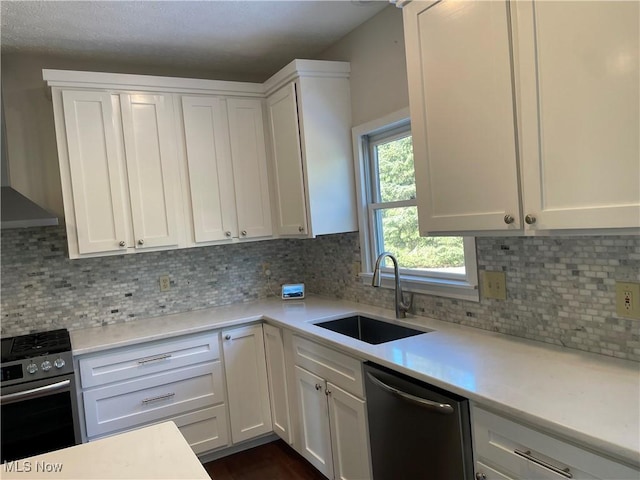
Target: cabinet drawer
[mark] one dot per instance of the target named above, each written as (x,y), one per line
(151,398)
(497,441)
(336,367)
(206,429)
(131,362)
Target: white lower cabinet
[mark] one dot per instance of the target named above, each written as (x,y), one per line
(506,450)
(333,434)
(247,388)
(277,377)
(178,379)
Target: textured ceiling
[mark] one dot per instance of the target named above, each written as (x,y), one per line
(246,37)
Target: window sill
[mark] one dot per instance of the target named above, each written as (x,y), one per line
(458,289)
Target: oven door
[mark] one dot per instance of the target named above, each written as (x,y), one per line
(38,417)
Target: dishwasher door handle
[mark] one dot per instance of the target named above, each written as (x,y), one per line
(443,408)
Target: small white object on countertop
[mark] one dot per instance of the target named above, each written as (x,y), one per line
(156,452)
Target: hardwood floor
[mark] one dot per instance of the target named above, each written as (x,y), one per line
(273,461)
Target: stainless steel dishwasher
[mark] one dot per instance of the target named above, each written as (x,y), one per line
(417,431)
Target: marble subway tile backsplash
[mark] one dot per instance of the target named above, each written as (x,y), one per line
(43,289)
(560,290)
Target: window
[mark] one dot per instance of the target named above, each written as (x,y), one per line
(389,218)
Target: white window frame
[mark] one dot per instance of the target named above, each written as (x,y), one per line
(439,284)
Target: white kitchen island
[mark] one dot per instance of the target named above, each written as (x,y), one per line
(156,452)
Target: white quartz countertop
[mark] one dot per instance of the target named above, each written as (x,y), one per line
(156,452)
(589,399)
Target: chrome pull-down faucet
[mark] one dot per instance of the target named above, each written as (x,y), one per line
(401,307)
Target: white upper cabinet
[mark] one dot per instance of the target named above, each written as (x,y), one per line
(462,115)
(580,113)
(249,154)
(119,172)
(93,177)
(310,131)
(152,168)
(226,162)
(285,137)
(209,168)
(525,115)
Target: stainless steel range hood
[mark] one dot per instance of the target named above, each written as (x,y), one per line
(16,210)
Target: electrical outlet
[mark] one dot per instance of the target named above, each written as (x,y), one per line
(165,283)
(494,285)
(266,269)
(628,300)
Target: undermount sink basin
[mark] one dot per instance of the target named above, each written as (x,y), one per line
(369,330)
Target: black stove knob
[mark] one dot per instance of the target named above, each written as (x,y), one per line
(32,368)
(46,366)
(59,363)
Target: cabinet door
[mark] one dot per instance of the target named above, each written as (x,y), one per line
(152,168)
(246,373)
(210,171)
(579,77)
(314,421)
(349,437)
(287,157)
(249,155)
(277,375)
(97,172)
(462,115)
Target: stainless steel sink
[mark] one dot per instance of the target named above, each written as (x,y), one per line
(369,330)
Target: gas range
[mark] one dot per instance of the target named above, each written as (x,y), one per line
(36,356)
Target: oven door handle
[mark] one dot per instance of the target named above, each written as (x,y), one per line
(35,392)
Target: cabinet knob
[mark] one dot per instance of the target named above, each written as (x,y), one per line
(481,476)
(141,242)
(122,244)
(508,219)
(243,233)
(227,234)
(301,229)
(530,219)
(318,386)
(327,392)
(227,337)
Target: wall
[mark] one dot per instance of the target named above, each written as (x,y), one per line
(378,66)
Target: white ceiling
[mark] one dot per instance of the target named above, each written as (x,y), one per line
(247,37)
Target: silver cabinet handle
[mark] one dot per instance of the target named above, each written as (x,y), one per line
(141,241)
(565,472)
(243,233)
(327,392)
(227,337)
(159,397)
(34,392)
(481,476)
(444,408)
(318,386)
(508,219)
(530,219)
(156,358)
(122,244)
(227,234)
(301,229)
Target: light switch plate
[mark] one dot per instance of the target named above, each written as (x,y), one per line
(494,285)
(628,300)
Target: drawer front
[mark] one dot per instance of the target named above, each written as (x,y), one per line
(152,398)
(521,452)
(131,362)
(206,429)
(336,367)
